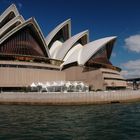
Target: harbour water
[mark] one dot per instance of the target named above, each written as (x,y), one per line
(91,122)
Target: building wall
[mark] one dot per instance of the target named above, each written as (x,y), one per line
(112,78)
(115,83)
(93,78)
(20,77)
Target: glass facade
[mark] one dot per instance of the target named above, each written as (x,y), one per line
(10,28)
(22,43)
(99,57)
(62,36)
(10,16)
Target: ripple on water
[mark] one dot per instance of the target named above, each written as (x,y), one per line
(117,121)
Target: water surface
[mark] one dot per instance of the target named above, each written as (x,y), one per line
(97,122)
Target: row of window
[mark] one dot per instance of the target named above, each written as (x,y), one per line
(105,72)
(27,66)
(113,79)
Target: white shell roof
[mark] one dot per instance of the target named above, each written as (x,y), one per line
(11,8)
(56,46)
(10,23)
(67,45)
(32,22)
(72,55)
(57,29)
(69,55)
(91,48)
(67,51)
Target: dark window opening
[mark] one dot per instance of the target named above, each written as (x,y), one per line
(10,28)
(62,36)
(9,17)
(105,72)
(22,43)
(113,79)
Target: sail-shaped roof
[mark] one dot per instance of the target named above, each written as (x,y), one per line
(91,48)
(62,31)
(34,29)
(81,38)
(10,13)
(11,24)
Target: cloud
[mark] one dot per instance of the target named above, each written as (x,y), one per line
(133,43)
(113,54)
(133,64)
(131,69)
(130,74)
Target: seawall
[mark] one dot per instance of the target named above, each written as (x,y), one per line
(70,98)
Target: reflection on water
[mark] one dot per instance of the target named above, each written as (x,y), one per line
(108,122)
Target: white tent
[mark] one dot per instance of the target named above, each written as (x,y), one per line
(33,85)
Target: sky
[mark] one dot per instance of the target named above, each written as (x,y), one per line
(102,18)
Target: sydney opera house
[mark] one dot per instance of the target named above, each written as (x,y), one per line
(26,56)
